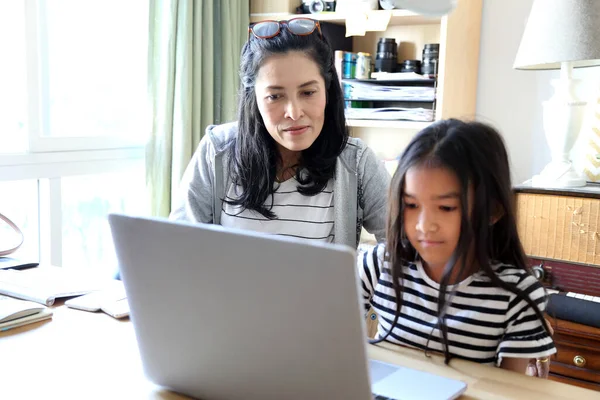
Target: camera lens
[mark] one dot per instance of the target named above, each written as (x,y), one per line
(316,6)
(429,66)
(386,56)
(386,46)
(411,66)
(431,54)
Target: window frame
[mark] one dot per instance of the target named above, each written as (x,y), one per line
(49,159)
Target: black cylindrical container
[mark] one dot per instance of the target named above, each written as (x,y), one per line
(387,55)
(431,50)
(411,66)
(429,66)
(431,55)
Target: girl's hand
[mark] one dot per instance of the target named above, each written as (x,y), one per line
(539,367)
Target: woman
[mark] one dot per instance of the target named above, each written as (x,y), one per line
(287,166)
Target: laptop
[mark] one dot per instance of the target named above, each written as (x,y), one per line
(221,313)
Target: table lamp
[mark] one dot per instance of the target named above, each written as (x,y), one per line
(561,34)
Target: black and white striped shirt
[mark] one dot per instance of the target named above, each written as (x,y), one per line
(300,216)
(485,322)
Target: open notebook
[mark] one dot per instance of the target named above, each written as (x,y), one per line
(46,283)
(15,312)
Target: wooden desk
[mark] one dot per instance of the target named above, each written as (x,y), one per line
(80,355)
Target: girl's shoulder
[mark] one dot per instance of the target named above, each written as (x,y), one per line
(374,256)
(374,253)
(509,274)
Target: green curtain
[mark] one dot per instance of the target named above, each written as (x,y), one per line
(194,54)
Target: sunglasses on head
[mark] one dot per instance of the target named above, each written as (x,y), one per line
(297,26)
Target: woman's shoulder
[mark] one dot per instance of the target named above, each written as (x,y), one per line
(354,147)
(220,136)
(357,155)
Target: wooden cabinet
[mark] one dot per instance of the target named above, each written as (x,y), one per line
(458,35)
(559,232)
(578,358)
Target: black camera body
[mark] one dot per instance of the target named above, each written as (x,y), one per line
(317,6)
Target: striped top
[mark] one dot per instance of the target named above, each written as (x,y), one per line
(485,322)
(297,215)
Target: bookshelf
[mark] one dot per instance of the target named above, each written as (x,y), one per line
(367,123)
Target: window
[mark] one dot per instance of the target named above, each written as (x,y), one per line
(13,78)
(86,200)
(73,123)
(91,57)
(103,64)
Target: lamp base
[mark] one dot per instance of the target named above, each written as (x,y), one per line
(558,175)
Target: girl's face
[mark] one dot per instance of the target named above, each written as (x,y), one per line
(432,214)
(291,97)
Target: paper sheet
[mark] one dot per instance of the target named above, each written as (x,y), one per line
(356,24)
(359,23)
(377,21)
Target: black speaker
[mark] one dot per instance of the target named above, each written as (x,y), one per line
(575,310)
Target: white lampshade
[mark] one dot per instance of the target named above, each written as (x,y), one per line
(560,31)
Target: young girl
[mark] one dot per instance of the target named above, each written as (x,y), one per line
(454,277)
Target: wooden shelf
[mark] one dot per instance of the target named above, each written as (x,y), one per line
(399,17)
(388,81)
(395,124)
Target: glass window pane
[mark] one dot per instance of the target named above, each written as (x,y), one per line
(87,200)
(13,84)
(96,67)
(19,202)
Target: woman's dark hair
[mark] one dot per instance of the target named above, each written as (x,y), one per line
(253,154)
(476,154)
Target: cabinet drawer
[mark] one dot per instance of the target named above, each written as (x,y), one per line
(576,363)
(573,381)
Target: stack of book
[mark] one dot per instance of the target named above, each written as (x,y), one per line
(15,312)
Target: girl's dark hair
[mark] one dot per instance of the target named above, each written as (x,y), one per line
(253,153)
(476,154)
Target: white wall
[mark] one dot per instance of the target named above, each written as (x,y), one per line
(509,99)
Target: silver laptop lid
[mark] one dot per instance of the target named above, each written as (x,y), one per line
(227,314)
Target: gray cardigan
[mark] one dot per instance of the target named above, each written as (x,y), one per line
(360,186)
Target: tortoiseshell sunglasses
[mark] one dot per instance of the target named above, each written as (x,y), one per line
(297,26)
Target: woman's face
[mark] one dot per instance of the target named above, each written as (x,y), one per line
(291,98)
